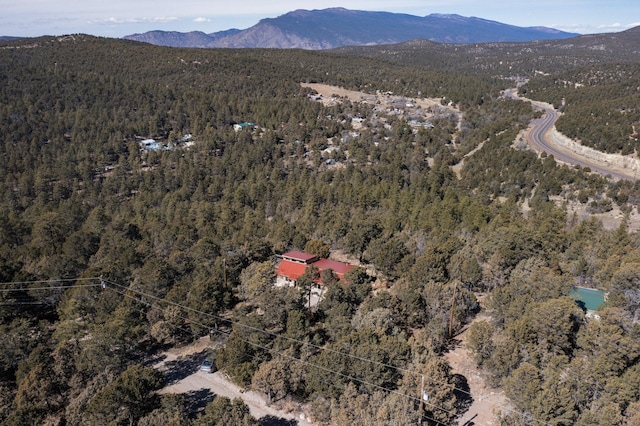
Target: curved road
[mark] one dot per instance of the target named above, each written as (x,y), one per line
(539,136)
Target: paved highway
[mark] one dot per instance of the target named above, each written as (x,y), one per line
(540,137)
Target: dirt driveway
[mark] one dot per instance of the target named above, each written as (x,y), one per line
(181,366)
(487,402)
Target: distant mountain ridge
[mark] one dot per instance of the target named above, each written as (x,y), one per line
(178,39)
(338,27)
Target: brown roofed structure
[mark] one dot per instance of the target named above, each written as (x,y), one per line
(294,263)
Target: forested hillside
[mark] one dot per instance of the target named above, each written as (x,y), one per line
(600,105)
(110,253)
(593,79)
(513,59)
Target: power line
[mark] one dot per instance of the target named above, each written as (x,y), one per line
(310,364)
(234,323)
(23,300)
(277,335)
(7,290)
(53,280)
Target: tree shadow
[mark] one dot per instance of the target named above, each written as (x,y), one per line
(276,421)
(462,392)
(453,342)
(150,361)
(183,366)
(195,401)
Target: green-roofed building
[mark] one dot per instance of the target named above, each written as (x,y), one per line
(588,299)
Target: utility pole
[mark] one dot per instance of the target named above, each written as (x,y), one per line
(424,396)
(224,271)
(421,412)
(453,302)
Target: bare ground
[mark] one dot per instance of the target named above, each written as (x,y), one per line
(327,92)
(181,365)
(487,402)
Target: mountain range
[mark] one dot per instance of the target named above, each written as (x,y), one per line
(337,27)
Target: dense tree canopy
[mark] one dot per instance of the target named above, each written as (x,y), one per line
(110,252)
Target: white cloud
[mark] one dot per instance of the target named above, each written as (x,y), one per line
(593,29)
(616,25)
(121,21)
(201,19)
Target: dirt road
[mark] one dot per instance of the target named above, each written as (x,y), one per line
(199,388)
(487,401)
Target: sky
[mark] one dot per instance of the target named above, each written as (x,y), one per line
(117,18)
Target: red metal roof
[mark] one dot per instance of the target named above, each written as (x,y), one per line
(291,270)
(340,268)
(300,256)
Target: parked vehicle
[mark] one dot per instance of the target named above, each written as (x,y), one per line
(207,366)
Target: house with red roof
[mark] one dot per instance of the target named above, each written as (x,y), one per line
(294,263)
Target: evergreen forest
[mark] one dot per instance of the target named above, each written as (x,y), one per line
(111,253)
